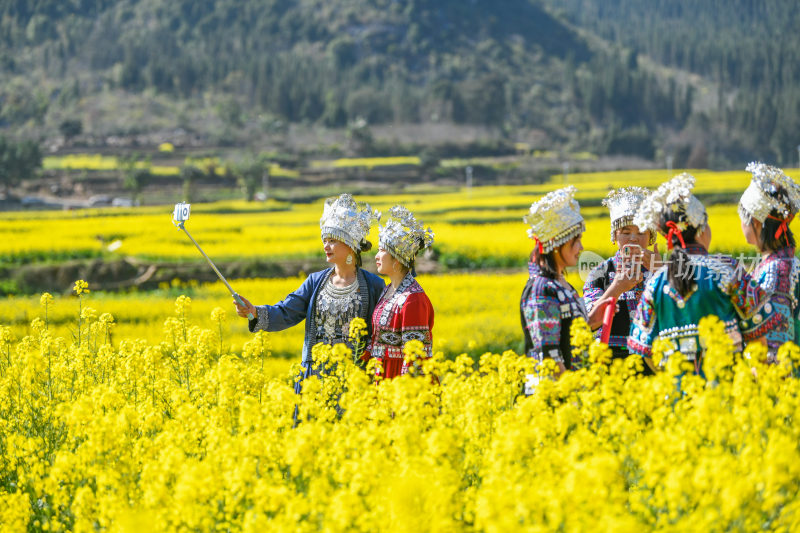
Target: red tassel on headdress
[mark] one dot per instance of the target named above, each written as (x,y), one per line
(676,231)
(539,245)
(783,229)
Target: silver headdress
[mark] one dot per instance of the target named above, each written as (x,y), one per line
(622,204)
(403,236)
(762,195)
(675,195)
(555,219)
(347,221)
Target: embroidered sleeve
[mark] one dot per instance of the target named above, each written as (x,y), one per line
(375,332)
(261,322)
(285,314)
(746,296)
(743,291)
(644,323)
(374,289)
(774,319)
(416,321)
(769,322)
(594,287)
(542,312)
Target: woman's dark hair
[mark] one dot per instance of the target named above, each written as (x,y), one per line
(768,230)
(364,246)
(547,263)
(413,262)
(680,275)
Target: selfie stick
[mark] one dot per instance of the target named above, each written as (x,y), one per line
(181,215)
(608,318)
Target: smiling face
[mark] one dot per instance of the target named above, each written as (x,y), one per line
(336,252)
(568,253)
(632,235)
(386,264)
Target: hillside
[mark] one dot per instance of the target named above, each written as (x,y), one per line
(747,50)
(237,72)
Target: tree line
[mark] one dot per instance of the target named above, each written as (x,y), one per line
(748,48)
(510,65)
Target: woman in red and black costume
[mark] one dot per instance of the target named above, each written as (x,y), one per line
(404,312)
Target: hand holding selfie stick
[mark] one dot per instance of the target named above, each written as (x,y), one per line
(608,318)
(181,215)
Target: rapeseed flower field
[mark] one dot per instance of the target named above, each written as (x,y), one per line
(101,162)
(182,434)
(158,411)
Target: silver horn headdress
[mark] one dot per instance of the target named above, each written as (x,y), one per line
(347,221)
(764,194)
(622,205)
(555,219)
(403,236)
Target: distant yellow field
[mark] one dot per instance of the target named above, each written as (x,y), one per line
(484,224)
(101,162)
(368,162)
(484,305)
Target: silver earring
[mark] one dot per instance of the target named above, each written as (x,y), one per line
(349,259)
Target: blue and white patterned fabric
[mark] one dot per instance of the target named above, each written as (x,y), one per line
(721,288)
(547,309)
(598,281)
(301,305)
(777,319)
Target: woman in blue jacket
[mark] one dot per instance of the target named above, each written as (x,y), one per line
(330,299)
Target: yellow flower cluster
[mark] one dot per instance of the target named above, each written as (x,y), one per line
(178,435)
(81,287)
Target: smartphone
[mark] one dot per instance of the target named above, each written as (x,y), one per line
(630,250)
(631,258)
(181,213)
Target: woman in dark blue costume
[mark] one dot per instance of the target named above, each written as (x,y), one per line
(622,276)
(549,304)
(328,300)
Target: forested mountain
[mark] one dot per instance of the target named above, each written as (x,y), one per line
(589,75)
(749,49)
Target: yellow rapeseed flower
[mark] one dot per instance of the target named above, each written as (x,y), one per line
(358,328)
(81,287)
(218,315)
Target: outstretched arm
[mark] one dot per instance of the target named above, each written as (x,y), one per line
(286,313)
(246,309)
